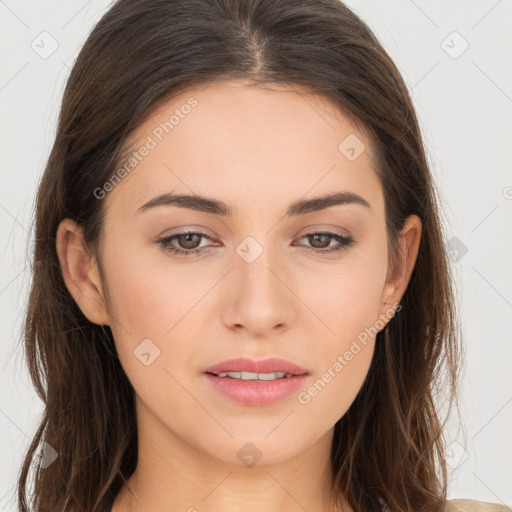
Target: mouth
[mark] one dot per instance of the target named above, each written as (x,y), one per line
(250,369)
(254,376)
(256,383)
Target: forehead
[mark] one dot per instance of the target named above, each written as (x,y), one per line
(258,142)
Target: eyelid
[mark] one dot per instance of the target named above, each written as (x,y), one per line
(324,228)
(191,228)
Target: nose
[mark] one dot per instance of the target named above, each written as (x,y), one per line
(261,297)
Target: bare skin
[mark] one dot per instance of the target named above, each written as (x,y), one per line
(257,150)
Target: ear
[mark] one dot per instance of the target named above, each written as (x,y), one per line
(80,272)
(409,242)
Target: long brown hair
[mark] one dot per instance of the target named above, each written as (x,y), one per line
(389,446)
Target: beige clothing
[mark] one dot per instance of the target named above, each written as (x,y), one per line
(465,505)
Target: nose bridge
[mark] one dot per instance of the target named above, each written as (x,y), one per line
(261,297)
(256,260)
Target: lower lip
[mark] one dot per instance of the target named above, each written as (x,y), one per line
(251,392)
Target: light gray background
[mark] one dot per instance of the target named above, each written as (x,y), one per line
(464,102)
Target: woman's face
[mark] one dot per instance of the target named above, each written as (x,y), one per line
(254,284)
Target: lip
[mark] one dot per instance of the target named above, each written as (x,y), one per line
(257,393)
(273,364)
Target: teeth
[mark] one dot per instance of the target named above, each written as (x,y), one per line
(253,376)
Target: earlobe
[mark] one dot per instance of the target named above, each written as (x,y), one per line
(80,272)
(409,243)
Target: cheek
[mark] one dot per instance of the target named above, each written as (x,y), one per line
(158,311)
(333,390)
(343,351)
(346,299)
(142,309)
(149,293)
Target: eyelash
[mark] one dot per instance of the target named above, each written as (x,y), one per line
(346,243)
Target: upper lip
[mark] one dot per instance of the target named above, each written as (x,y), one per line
(270,365)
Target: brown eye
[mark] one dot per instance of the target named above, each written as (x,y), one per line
(316,241)
(184,244)
(321,242)
(189,240)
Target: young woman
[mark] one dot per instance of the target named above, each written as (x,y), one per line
(241,298)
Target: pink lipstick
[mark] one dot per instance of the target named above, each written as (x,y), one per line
(256,383)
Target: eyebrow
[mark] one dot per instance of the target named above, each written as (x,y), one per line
(215,207)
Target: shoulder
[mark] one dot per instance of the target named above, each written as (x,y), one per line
(465,505)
